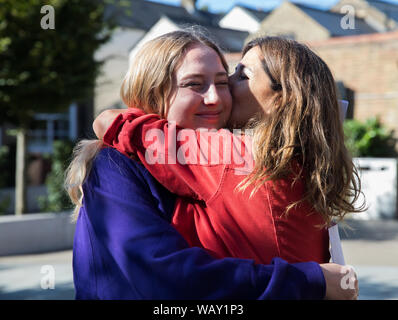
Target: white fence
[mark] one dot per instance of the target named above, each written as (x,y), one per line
(379,186)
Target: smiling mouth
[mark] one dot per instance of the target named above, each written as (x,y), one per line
(209,114)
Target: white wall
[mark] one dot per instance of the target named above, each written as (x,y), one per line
(164,25)
(379,186)
(36,233)
(114,69)
(239,19)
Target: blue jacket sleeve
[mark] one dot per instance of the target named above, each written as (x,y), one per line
(125,248)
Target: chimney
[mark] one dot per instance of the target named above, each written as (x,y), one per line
(189,5)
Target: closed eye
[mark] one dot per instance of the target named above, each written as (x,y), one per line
(240,70)
(192,84)
(243,76)
(222,83)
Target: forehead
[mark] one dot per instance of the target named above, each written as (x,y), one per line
(252,57)
(200,58)
(253,61)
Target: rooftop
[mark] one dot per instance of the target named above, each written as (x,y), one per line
(332,22)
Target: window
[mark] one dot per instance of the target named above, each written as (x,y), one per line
(348,94)
(48,127)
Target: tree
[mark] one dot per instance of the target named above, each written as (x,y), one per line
(46,62)
(369,139)
(205,7)
(57,199)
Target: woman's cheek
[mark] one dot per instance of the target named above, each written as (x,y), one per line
(239,91)
(183,109)
(227,100)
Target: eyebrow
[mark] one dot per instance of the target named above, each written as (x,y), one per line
(240,67)
(200,75)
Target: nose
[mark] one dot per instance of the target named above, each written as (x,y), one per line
(211,96)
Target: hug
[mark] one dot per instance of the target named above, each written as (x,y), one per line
(183,230)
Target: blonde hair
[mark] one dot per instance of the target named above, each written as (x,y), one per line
(147,85)
(83,155)
(303,134)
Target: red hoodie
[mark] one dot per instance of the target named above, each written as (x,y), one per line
(210,212)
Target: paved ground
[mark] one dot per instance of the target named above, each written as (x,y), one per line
(371,248)
(22,277)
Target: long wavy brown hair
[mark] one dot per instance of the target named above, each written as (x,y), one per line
(303,128)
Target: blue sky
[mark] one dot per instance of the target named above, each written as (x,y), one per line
(225,5)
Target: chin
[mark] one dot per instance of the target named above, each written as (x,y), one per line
(233,123)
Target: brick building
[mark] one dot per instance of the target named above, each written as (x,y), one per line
(303,23)
(382,16)
(364,59)
(367,65)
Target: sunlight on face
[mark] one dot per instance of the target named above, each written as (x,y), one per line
(250,88)
(200,96)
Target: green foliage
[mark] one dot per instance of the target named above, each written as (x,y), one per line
(4,172)
(369,139)
(44,70)
(57,199)
(7,166)
(4,205)
(4,176)
(204,7)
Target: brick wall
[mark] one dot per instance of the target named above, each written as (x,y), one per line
(367,64)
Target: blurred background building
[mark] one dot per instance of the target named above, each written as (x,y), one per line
(363,59)
(358,39)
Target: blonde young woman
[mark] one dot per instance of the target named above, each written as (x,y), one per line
(124,245)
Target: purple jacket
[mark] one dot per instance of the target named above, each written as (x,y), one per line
(125,248)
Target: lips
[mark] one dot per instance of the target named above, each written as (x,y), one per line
(209,114)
